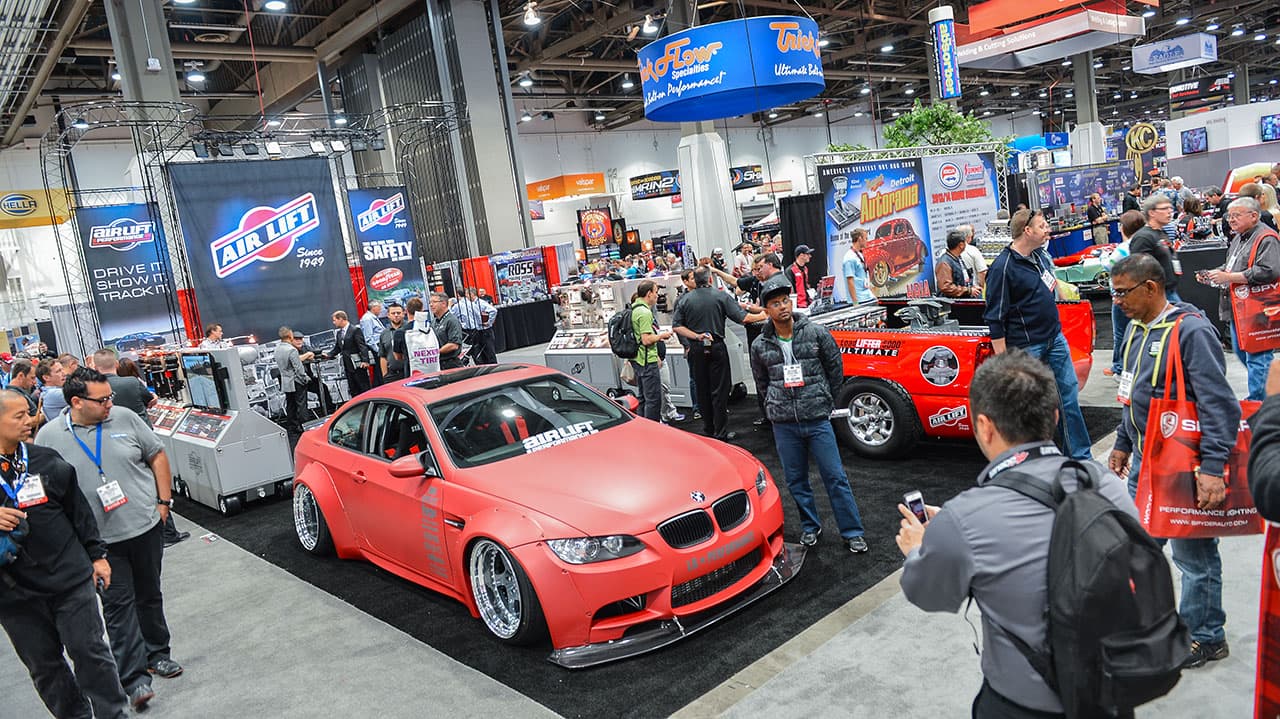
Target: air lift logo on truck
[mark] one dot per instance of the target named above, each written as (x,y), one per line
(265,233)
(122,235)
(380,212)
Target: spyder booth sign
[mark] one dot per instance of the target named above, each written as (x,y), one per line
(264,244)
(127,264)
(388,252)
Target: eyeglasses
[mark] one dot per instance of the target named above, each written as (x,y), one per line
(100,400)
(1121,293)
(1162,208)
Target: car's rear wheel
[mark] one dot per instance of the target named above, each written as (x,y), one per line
(504,597)
(881,422)
(308,522)
(880,273)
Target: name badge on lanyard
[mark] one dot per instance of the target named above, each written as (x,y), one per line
(792,375)
(27,489)
(109,493)
(1126,387)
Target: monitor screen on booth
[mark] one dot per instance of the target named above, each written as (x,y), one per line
(1270,128)
(1194,141)
(201,371)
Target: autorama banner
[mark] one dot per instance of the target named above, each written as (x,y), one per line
(127,267)
(886,197)
(388,252)
(264,244)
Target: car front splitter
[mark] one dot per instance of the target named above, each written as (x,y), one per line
(785,567)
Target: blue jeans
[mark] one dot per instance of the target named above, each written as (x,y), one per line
(796,442)
(1201,567)
(1057,354)
(1119,323)
(1255,364)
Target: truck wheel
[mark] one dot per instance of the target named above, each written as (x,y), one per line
(882,421)
(880,273)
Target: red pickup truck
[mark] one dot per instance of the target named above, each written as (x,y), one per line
(910,379)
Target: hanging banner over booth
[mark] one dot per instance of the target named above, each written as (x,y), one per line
(126,263)
(731,68)
(942,25)
(388,252)
(566,186)
(887,198)
(264,244)
(1175,54)
(655,184)
(746,176)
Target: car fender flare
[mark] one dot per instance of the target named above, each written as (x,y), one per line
(317,478)
(512,529)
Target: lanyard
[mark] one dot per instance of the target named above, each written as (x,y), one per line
(95,457)
(20,475)
(1044,450)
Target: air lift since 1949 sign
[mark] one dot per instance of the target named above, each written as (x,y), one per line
(388,252)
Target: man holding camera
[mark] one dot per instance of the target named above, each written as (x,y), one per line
(53,557)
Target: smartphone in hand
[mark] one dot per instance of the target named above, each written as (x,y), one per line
(915,502)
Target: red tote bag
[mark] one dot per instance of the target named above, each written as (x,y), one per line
(1171,452)
(1256,310)
(1267,687)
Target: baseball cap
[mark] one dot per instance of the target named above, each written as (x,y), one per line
(6,357)
(778,284)
(804,250)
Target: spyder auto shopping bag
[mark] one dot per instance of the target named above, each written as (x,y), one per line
(1256,311)
(1167,486)
(1266,703)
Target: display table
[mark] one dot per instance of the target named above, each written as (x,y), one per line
(1071,240)
(522,325)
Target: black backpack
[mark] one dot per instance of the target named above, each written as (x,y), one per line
(1115,640)
(622,336)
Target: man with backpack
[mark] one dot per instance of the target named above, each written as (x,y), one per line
(1033,520)
(1137,286)
(645,362)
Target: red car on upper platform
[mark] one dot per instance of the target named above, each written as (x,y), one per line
(910,378)
(543,506)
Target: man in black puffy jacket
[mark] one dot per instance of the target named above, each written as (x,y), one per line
(796,365)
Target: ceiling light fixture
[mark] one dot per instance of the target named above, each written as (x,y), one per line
(866,90)
(627,84)
(1097,64)
(1066,63)
(1182,21)
(183,2)
(1043,93)
(986,112)
(194,75)
(824,42)
(984,92)
(909,90)
(531,16)
(526,117)
(340,120)
(80,124)
(1212,26)
(526,80)
(886,48)
(275,5)
(1015,92)
(1149,13)
(650,27)
(599,116)
(818,113)
(115,75)
(896,113)
(1237,31)
(1260,36)
(273,122)
(1070,95)
(858,113)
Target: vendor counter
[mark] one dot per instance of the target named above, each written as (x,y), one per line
(1071,240)
(523,325)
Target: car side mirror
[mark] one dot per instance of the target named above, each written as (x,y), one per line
(406,467)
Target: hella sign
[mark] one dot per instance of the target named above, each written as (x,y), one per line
(18,204)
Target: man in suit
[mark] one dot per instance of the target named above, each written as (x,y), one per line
(293,380)
(352,352)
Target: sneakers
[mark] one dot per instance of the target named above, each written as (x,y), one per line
(1204,652)
(1108,371)
(674,417)
(140,695)
(809,539)
(179,537)
(697,414)
(165,667)
(857,545)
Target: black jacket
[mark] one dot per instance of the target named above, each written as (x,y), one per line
(1264,459)
(63,535)
(823,370)
(352,344)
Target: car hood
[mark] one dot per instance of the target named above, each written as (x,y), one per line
(625,479)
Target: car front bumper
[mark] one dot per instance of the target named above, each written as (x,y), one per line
(661,633)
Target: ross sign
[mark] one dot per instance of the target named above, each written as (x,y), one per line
(30,208)
(655,184)
(388,251)
(1175,54)
(746,176)
(264,243)
(731,68)
(886,198)
(946,64)
(959,190)
(521,276)
(1198,93)
(566,186)
(126,262)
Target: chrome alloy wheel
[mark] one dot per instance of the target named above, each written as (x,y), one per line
(496,588)
(870,419)
(306,517)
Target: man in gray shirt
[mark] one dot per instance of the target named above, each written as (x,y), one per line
(123,472)
(447,330)
(129,392)
(992,542)
(392,368)
(293,380)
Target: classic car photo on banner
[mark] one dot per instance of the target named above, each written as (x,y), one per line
(388,251)
(264,244)
(126,262)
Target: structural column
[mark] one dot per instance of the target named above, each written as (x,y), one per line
(140,40)
(1088,142)
(1241,86)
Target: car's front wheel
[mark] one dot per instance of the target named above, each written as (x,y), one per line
(504,597)
(308,522)
(881,422)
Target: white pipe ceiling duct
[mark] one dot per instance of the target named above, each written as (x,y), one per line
(23,28)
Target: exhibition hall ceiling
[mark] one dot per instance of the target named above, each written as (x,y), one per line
(578,56)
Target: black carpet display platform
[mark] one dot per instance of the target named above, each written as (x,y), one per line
(663,681)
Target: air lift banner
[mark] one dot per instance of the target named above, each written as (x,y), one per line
(264,244)
(127,265)
(388,252)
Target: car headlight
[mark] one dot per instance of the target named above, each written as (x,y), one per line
(585,550)
(762,482)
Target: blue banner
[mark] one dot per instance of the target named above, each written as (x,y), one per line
(264,244)
(731,68)
(945,60)
(655,184)
(746,176)
(388,251)
(126,262)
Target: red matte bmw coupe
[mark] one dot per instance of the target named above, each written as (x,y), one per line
(545,508)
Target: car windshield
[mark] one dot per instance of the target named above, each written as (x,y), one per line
(521,418)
